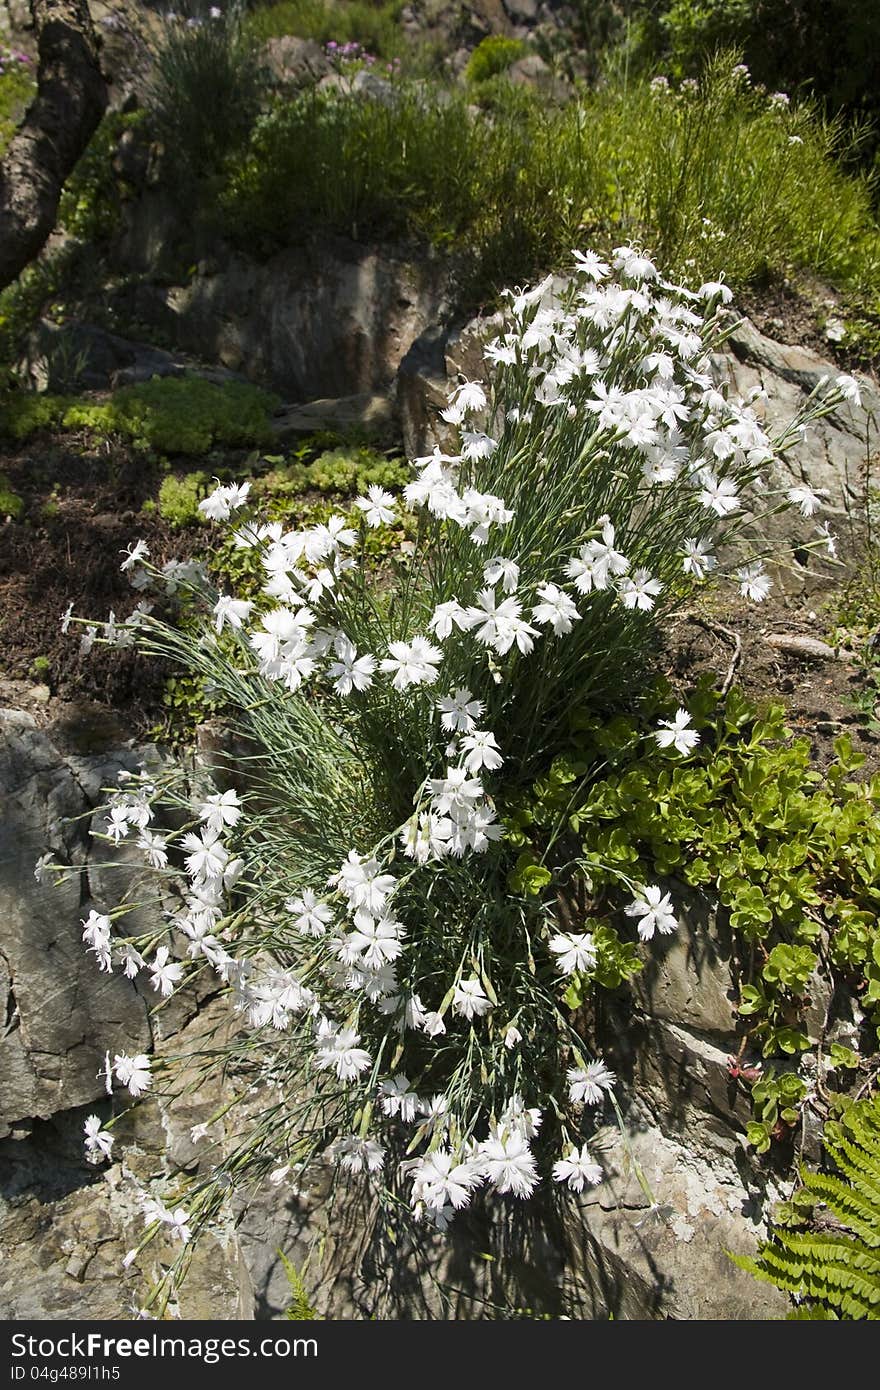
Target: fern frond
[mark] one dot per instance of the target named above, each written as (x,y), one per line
(836,1272)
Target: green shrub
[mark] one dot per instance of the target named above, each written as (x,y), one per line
(173,415)
(179,498)
(205,88)
(715,180)
(90,201)
(493,55)
(10,502)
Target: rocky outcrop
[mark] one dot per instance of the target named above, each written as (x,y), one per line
(60,1012)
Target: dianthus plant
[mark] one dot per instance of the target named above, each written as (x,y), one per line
(351,886)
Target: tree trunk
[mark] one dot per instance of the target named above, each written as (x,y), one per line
(70,101)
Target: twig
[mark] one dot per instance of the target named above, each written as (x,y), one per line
(718,629)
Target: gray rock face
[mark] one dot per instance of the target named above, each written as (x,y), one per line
(329,322)
(62,1013)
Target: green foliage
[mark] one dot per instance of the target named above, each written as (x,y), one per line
(299,1309)
(179,498)
(205,88)
(829,47)
(91,198)
(792,854)
(825,1251)
(493,55)
(10,502)
(712,180)
(173,415)
(373,25)
(23,413)
(17,89)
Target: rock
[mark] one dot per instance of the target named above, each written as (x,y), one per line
(373,415)
(63,1012)
(296,62)
(650,1240)
(687,977)
(522,11)
(532,71)
(83,356)
(313,323)
(832,456)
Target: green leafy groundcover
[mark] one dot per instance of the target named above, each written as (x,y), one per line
(792,854)
(174,415)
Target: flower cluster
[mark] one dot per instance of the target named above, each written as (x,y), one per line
(406,995)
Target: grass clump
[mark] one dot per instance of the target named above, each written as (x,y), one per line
(17,89)
(206,87)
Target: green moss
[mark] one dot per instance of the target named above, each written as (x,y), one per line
(179,498)
(10,502)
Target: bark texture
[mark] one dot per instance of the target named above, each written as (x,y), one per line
(71,98)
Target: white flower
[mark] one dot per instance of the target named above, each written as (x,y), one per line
(676,733)
(133,1072)
(639,591)
(134,554)
(177,1223)
(165,974)
(481,751)
(806,498)
(117,823)
(753,582)
(377,506)
(442,1177)
(697,559)
(398,1099)
(556,609)
(509,1164)
(576,1168)
(573,951)
(507,571)
(587,1084)
(351,672)
(220,810)
(445,617)
(234,611)
(719,496)
(207,857)
(357,1155)
(460,711)
(433,1025)
(512,1036)
(412,663)
(154,848)
(850,388)
(469,1000)
(340,1051)
(98,1142)
(653,907)
(310,917)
